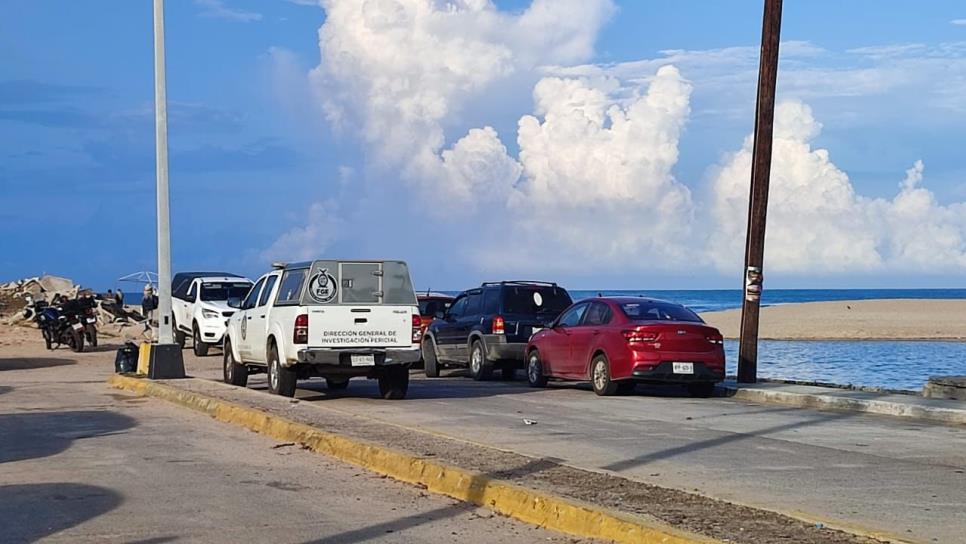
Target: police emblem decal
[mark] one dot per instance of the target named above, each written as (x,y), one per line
(323,287)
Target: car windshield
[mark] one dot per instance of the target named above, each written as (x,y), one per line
(224,291)
(647,310)
(433,306)
(526,299)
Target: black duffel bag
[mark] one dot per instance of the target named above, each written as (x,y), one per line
(126,360)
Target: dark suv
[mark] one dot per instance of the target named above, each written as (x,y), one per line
(488,327)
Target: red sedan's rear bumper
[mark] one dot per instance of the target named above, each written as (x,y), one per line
(656,366)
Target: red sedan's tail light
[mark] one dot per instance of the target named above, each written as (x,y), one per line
(499,326)
(639,337)
(715,339)
(417,328)
(301,334)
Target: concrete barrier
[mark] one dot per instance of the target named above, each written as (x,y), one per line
(905,406)
(528,505)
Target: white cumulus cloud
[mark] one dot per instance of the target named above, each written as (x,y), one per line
(816,221)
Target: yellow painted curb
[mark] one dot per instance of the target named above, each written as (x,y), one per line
(536,507)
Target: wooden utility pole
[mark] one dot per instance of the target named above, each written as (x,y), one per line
(758,200)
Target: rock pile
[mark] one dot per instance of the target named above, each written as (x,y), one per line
(13,300)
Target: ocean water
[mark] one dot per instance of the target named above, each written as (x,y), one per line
(726,299)
(880,363)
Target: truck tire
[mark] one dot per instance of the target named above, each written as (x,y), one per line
(199,347)
(394,382)
(234,372)
(179,335)
(281,380)
(430,362)
(480,367)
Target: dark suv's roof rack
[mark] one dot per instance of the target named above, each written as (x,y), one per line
(519,282)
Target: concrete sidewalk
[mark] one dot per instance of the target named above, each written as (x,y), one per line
(831,398)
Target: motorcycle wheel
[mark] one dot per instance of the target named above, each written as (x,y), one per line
(76,341)
(47,340)
(92,335)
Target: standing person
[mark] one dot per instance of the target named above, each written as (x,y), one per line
(148,305)
(119,298)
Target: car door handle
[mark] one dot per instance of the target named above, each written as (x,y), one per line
(261,316)
(249,318)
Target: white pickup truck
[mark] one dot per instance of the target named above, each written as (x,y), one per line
(201,306)
(332,319)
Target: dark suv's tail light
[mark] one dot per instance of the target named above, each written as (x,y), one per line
(301,334)
(417,328)
(499,326)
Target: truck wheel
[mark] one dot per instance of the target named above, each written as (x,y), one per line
(394,382)
(179,335)
(431,363)
(336,384)
(281,380)
(480,368)
(235,373)
(535,375)
(200,348)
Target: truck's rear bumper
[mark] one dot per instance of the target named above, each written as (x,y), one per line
(342,357)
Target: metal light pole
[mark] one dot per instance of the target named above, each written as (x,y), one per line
(758,199)
(166,358)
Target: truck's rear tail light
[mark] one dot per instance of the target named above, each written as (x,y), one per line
(417,328)
(499,326)
(301,334)
(635,337)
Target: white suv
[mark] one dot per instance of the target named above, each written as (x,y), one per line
(200,306)
(333,319)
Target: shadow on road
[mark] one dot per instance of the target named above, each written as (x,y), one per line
(422,518)
(722,440)
(31,512)
(28,363)
(41,434)
(5,389)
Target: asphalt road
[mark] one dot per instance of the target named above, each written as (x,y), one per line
(871,472)
(80,462)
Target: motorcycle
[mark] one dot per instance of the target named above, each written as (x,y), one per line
(58,324)
(45,317)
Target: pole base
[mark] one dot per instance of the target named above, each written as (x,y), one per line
(166,362)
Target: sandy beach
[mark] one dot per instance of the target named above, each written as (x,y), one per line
(854,320)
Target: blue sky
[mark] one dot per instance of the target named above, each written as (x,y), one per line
(257,155)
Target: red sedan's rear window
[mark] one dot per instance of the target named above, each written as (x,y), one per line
(647,310)
(432,306)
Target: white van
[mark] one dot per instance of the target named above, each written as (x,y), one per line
(332,319)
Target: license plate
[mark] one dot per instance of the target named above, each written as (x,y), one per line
(91,320)
(682,368)
(77,326)
(362,360)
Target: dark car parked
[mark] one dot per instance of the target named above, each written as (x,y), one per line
(488,327)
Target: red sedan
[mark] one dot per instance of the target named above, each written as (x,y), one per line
(618,342)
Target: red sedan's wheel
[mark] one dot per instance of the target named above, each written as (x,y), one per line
(535,375)
(600,376)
